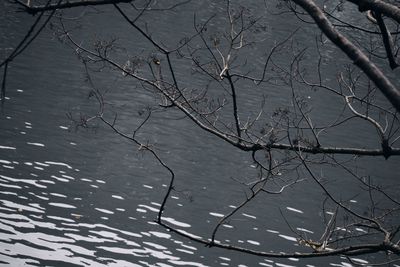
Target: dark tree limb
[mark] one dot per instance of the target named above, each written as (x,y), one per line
(67,4)
(179,98)
(352,51)
(246,145)
(389,10)
(29,37)
(387,40)
(350,250)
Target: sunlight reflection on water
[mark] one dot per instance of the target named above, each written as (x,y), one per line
(51,214)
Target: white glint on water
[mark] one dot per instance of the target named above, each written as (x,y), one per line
(294,210)
(185,251)
(35,144)
(26,181)
(360,261)
(253,242)
(58,163)
(59,179)
(215,214)
(290,238)
(7,147)
(177,223)
(62,205)
(141,210)
(41,164)
(249,216)
(283,265)
(148,208)
(305,230)
(160,235)
(104,211)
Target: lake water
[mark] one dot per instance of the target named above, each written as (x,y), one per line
(87,197)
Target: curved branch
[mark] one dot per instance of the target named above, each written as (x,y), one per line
(155,155)
(389,10)
(350,250)
(353,52)
(245,145)
(387,40)
(24,44)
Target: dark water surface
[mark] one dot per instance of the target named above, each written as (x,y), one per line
(87,197)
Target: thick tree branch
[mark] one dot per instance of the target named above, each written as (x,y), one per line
(387,40)
(352,51)
(350,250)
(389,10)
(326,149)
(67,4)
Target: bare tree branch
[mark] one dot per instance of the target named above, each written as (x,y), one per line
(383,7)
(32,9)
(354,53)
